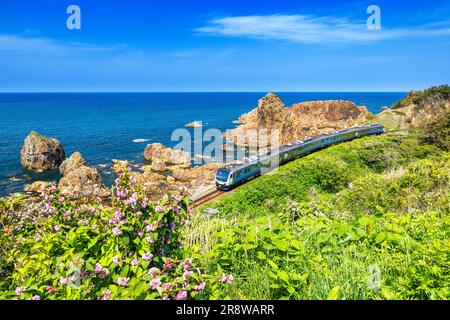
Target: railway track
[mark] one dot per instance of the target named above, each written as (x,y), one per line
(206,198)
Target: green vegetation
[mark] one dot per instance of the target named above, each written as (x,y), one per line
(368,219)
(419,97)
(81,248)
(437,131)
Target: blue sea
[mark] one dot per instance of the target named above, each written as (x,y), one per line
(102,126)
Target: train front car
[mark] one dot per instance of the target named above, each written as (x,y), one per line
(223,179)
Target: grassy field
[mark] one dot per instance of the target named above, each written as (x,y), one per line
(368,219)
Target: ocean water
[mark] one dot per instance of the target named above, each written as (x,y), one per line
(102,126)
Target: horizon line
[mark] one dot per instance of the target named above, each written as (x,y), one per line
(119,92)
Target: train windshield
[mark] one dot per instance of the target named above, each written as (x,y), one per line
(222,175)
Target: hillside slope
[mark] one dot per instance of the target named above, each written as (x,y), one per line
(368,219)
(414,109)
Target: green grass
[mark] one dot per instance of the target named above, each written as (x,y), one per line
(368,219)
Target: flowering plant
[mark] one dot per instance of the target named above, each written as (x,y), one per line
(122,248)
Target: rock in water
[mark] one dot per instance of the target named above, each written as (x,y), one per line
(40,153)
(80,179)
(157,153)
(75,161)
(83,181)
(194,124)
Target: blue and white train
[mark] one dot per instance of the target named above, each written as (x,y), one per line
(233,175)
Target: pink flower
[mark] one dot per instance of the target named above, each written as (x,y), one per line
(155,283)
(153,271)
(159,209)
(117,232)
(187,264)
(84,275)
(19,290)
(114,221)
(135,262)
(168,286)
(57,228)
(35,297)
(199,287)
(67,213)
(123,281)
(130,201)
(104,274)
(187,274)
(172,226)
(116,260)
(84,222)
(118,215)
(50,289)
(181,295)
(106,295)
(151,227)
(147,256)
(63,281)
(223,277)
(98,268)
(178,198)
(150,240)
(230,279)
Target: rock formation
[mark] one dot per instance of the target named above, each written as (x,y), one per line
(194,124)
(197,176)
(80,179)
(40,153)
(296,122)
(75,161)
(37,186)
(415,108)
(159,155)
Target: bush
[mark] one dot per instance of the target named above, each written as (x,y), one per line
(82,248)
(437,131)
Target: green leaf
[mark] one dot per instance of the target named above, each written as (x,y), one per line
(334,293)
(261,255)
(381,237)
(125,239)
(273,264)
(296,244)
(281,244)
(283,275)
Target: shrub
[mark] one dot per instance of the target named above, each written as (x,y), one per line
(84,248)
(437,131)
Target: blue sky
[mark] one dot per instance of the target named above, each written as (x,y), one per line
(223,45)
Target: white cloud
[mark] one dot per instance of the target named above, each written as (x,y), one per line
(36,45)
(313,30)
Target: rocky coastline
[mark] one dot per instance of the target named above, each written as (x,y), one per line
(164,170)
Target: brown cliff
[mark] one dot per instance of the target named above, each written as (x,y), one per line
(299,121)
